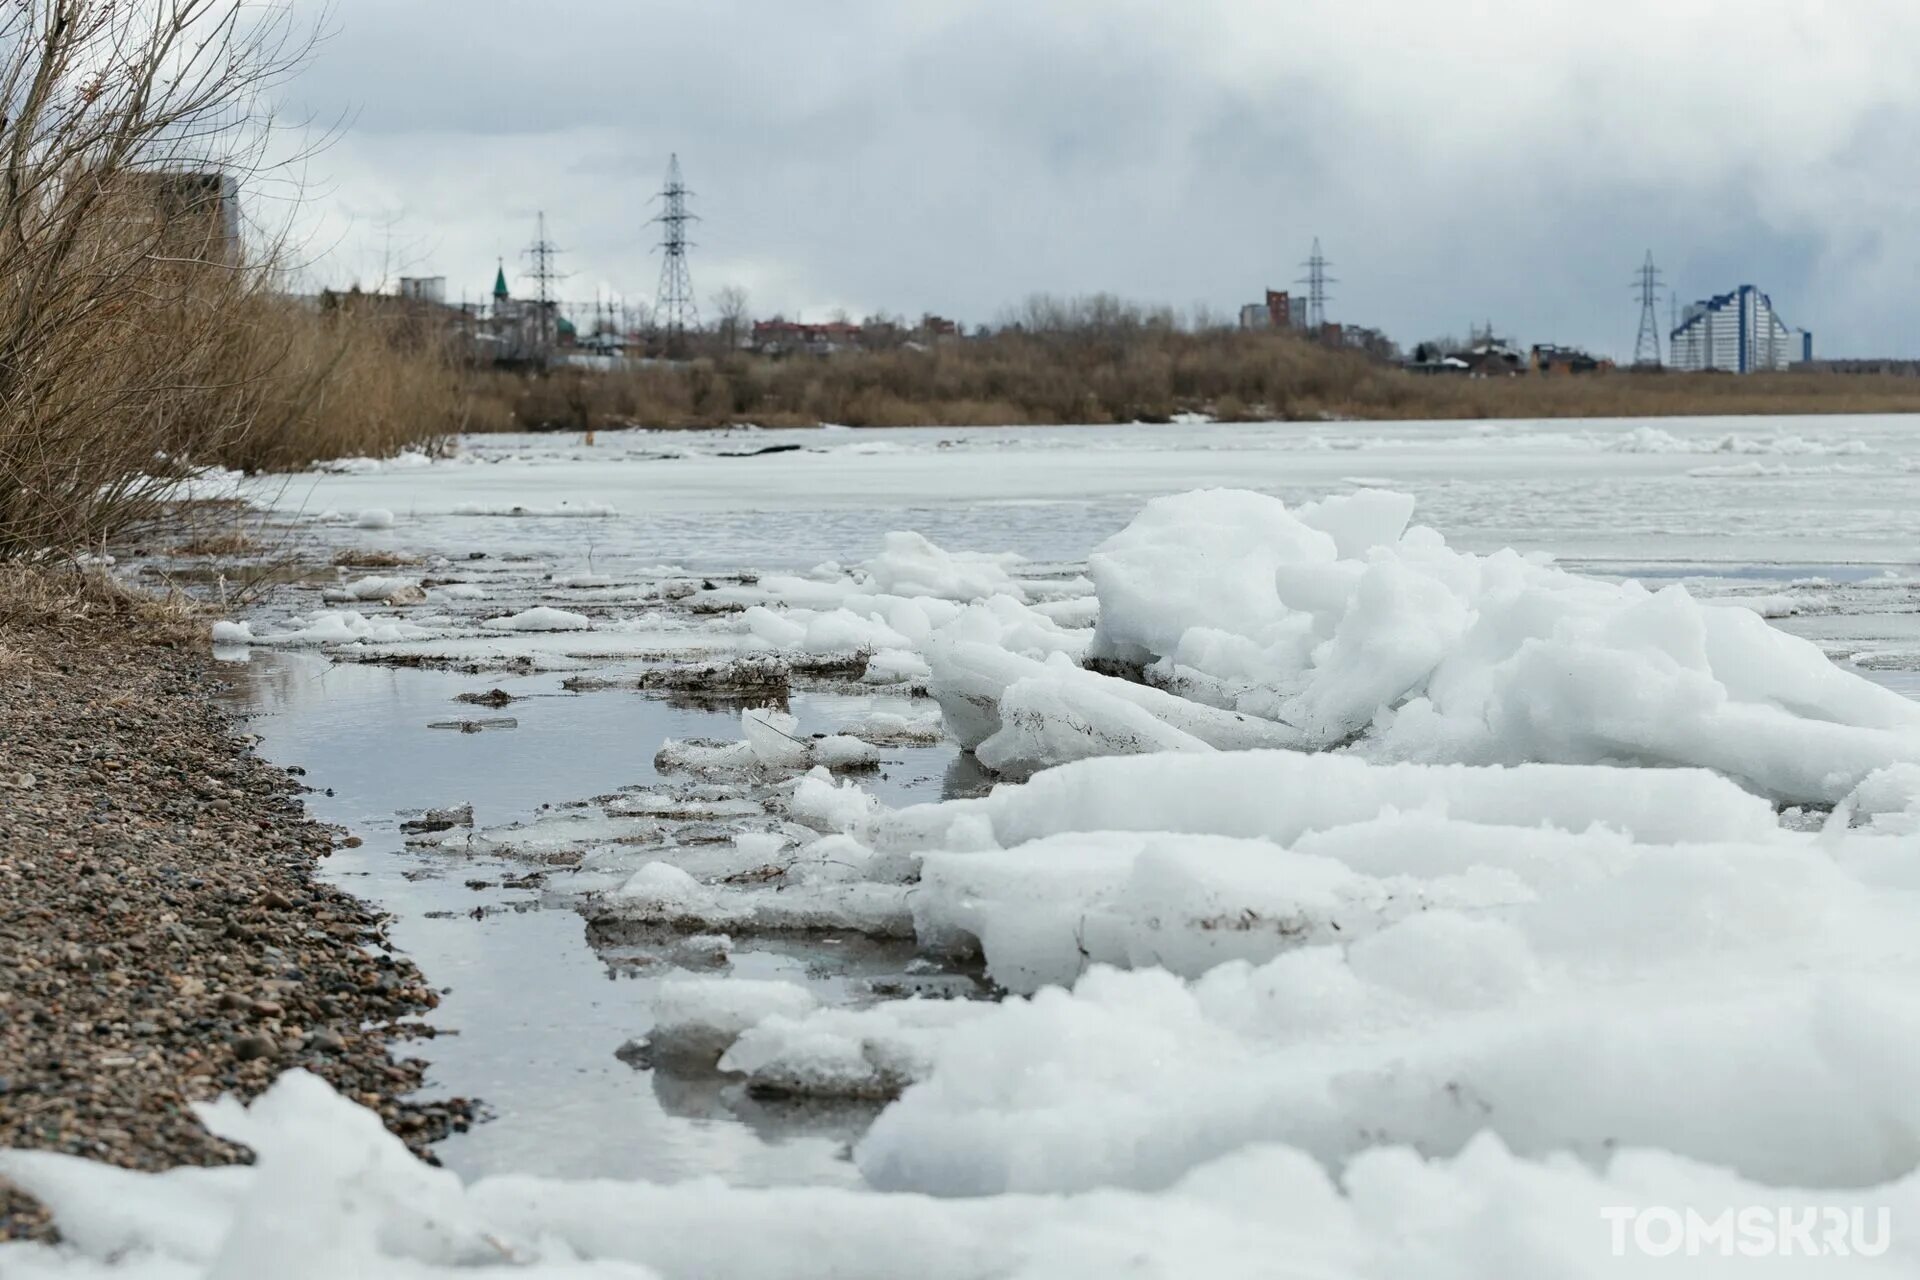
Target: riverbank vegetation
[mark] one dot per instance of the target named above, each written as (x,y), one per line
(145,332)
(1142,374)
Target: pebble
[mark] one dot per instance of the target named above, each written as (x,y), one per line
(247,1048)
(163,937)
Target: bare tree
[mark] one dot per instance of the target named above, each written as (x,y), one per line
(731,315)
(127,133)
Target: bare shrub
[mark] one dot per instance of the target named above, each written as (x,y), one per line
(1113,363)
(141,331)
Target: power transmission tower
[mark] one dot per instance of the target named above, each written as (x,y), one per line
(540,256)
(1646,283)
(674,310)
(1316,281)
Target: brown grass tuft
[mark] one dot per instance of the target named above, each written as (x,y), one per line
(234,543)
(85,601)
(370,559)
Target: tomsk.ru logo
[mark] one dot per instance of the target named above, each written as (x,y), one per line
(1755,1231)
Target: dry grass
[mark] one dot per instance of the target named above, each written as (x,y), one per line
(87,602)
(233,543)
(139,340)
(1141,374)
(370,559)
(342,381)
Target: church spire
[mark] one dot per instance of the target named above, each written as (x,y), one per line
(500,283)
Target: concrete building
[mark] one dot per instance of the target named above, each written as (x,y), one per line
(424,288)
(1555,360)
(1277,312)
(780,336)
(188,215)
(1736,332)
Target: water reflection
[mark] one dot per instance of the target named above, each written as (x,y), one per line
(537,1011)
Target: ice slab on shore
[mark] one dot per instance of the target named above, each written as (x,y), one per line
(333,1194)
(1795,1082)
(1282,795)
(1341,622)
(1406,954)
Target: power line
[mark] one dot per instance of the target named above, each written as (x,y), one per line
(540,256)
(674,310)
(1646,346)
(1317,281)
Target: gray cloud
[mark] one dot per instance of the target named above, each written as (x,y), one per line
(1498,160)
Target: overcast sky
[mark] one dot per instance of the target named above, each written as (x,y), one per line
(1460,161)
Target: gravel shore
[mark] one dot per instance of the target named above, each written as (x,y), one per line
(163,938)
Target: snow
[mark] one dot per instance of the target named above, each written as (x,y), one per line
(405,460)
(198,484)
(374,518)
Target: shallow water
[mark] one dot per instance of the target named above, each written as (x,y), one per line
(537,1011)
(540,1003)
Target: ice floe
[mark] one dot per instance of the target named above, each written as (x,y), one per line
(1358,905)
(332,1194)
(543,618)
(1646,439)
(1340,621)
(770,743)
(326,627)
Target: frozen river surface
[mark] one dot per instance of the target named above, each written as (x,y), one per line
(1716,490)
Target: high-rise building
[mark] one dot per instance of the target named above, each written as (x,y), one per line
(424,288)
(186,215)
(1736,332)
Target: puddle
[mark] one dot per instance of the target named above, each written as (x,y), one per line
(539,1009)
